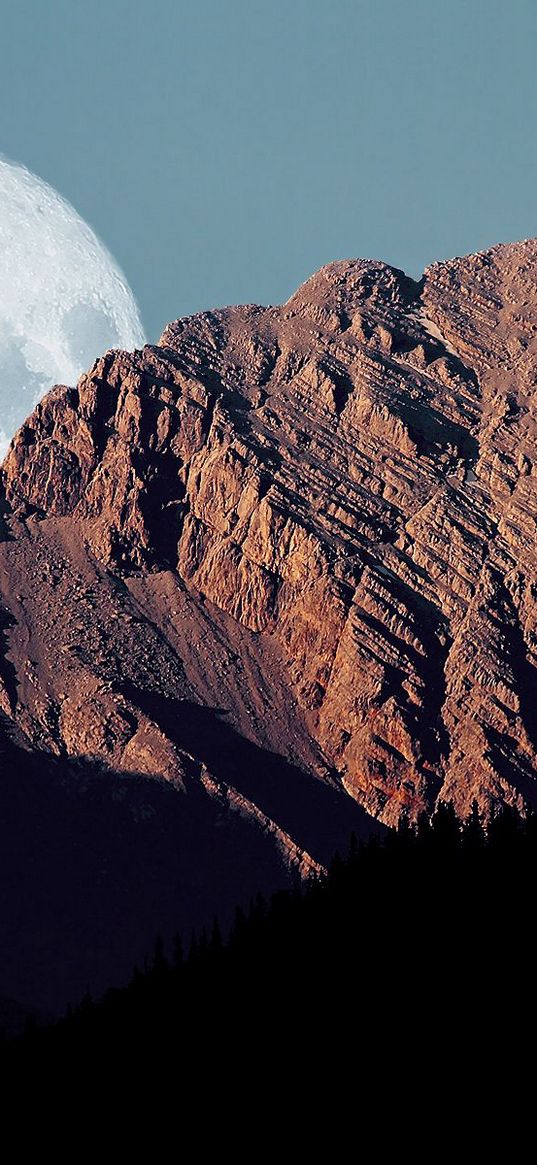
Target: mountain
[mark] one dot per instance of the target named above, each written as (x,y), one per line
(285,560)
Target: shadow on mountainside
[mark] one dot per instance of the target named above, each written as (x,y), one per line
(318,816)
(93,864)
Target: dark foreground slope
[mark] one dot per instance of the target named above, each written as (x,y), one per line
(411,960)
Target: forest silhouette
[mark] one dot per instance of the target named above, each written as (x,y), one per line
(423,937)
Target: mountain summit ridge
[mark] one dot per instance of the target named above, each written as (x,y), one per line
(335,499)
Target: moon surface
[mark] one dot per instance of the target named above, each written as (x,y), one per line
(63,299)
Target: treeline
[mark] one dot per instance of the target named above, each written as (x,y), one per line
(427,934)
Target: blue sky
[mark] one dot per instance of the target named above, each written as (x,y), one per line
(224,151)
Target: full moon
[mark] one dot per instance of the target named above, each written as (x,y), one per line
(63,299)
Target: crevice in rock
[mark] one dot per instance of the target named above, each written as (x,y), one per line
(8,674)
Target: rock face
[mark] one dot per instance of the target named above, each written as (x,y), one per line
(308,531)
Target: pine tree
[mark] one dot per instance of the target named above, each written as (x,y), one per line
(473,833)
(178,954)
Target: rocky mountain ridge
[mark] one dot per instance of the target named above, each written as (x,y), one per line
(261,584)
(343,490)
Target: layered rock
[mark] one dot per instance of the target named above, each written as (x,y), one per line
(320,518)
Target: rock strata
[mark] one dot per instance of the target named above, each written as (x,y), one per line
(315,522)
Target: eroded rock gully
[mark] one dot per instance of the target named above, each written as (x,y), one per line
(316,522)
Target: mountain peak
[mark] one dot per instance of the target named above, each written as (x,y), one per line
(341,488)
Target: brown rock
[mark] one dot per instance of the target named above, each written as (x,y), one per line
(321,518)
